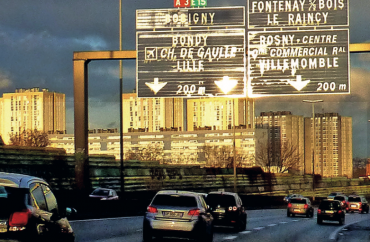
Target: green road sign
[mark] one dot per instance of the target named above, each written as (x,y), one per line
(199,3)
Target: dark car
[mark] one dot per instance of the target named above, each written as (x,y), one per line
(29,211)
(332,195)
(343,199)
(227,209)
(358,203)
(290,196)
(330,210)
(178,214)
(300,206)
(104,194)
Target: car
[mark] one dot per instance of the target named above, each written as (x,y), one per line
(300,206)
(343,201)
(358,203)
(179,214)
(227,209)
(330,210)
(334,194)
(30,211)
(104,194)
(287,198)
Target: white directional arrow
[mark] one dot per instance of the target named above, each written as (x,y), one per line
(226,85)
(156,85)
(299,84)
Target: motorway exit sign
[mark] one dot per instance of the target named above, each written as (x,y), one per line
(191,52)
(189,3)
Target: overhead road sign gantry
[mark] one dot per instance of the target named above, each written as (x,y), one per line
(297,13)
(191,52)
(298,62)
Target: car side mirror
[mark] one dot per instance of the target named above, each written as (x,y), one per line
(70,212)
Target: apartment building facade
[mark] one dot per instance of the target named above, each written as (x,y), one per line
(285,131)
(177,147)
(30,109)
(332,151)
(178,114)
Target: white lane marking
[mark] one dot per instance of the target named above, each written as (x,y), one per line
(295,220)
(283,222)
(245,232)
(333,236)
(230,237)
(139,230)
(271,225)
(102,219)
(344,229)
(259,228)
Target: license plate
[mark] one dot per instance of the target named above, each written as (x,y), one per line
(220,210)
(3,230)
(297,210)
(329,211)
(353,206)
(172,214)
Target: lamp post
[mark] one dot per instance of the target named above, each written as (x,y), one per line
(234,149)
(121,103)
(314,143)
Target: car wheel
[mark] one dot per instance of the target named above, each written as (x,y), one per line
(244,224)
(308,214)
(319,220)
(147,234)
(341,221)
(288,214)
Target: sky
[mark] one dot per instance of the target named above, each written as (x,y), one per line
(38,38)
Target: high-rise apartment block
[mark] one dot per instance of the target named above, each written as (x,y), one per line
(284,128)
(178,114)
(30,109)
(333,145)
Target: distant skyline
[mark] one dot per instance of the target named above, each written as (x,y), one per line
(38,38)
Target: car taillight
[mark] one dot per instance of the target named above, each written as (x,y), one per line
(19,219)
(319,211)
(152,209)
(235,208)
(194,212)
(359,204)
(339,211)
(289,205)
(306,206)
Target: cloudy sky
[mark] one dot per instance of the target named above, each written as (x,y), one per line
(38,38)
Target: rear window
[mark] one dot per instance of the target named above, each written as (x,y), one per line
(220,199)
(100,192)
(175,200)
(329,205)
(354,199)
(340,198)
(333,194)
(11,200)
(300,201)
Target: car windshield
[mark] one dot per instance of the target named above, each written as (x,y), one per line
(100,192)
(329,205)
(333,194)
(220,199)
(175,200)
(300,201)
(354,199)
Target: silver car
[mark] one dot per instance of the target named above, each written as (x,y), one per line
(178,214)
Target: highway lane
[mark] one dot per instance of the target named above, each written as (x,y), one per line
(263,225)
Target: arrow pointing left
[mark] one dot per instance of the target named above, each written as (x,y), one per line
(156,86)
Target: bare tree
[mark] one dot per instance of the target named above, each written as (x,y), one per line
(151,152)
(223,156)
(283,159)
(32,138)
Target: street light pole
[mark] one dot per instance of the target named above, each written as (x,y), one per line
(314,143)
(234,149)
(121,103)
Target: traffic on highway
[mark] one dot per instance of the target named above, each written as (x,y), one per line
(177,215)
